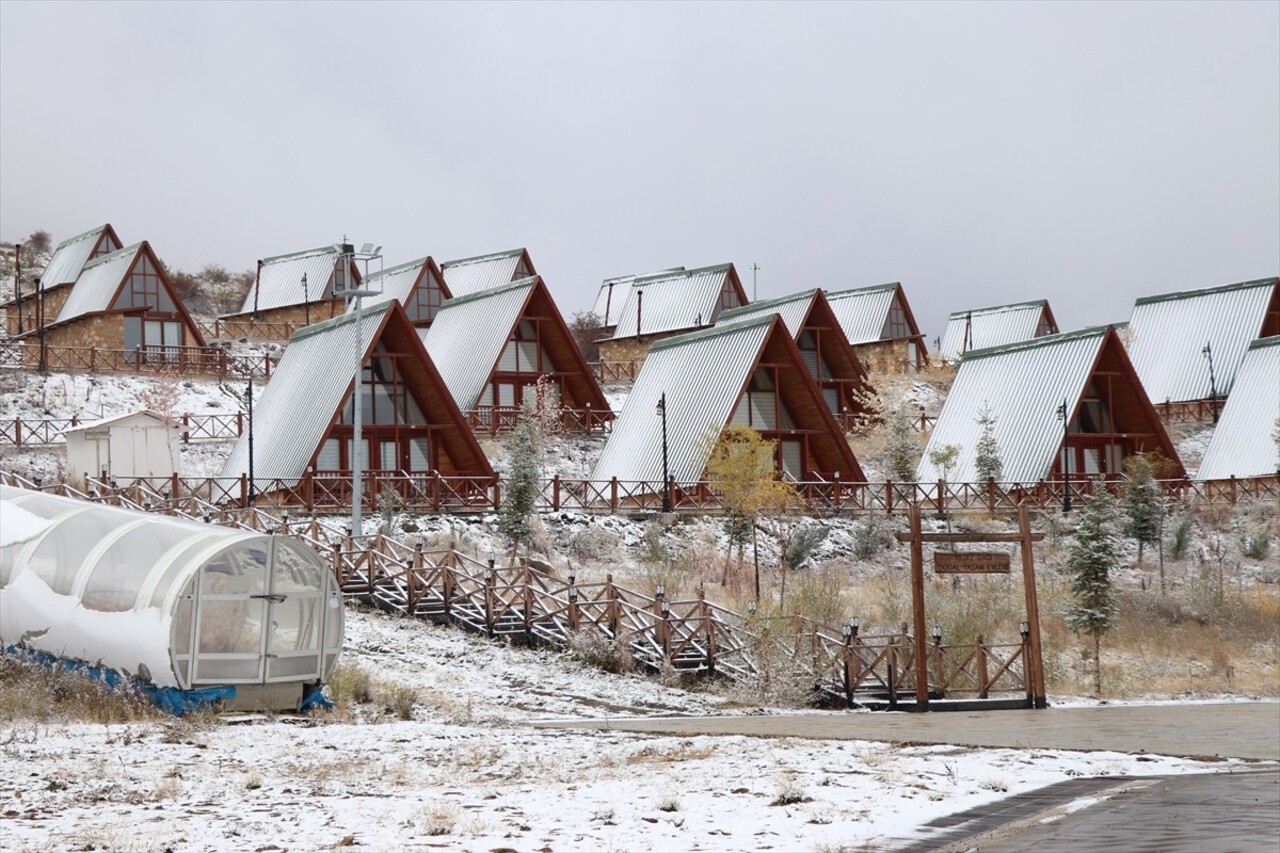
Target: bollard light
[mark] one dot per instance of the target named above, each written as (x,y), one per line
(1024,629)
(937,635)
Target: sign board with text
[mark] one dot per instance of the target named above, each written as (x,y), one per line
(971,562)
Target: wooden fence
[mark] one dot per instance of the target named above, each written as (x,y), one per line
(249,329)
(499,419)
(20,433)
(182,361)
(657,633)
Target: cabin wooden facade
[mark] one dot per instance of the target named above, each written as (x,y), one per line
(879,325)
(291,292)
(40,298)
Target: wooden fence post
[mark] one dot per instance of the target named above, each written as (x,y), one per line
(17,432)
(983,678)
(709,626)
(490,579)
(555,492)
(612,614)
(613,494)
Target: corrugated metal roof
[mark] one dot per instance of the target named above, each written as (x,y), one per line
(991,327)
(702,374)
(1244,443)
(483,272)
(391,283)
(1024,384)
(1167,334)
(792,309)
(70,257)
(613,292)
(98,283)
(294,411)
(863,311)
(468,335)
(682,299)
(280,280)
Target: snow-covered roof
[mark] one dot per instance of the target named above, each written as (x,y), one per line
(306,388)
(142,414)
(702,374)
(279,281)
(792,309)
(613,292)
(1168,333)
(469,334)
(672,301)
(71,256)
(1245,443)
(391,283)
(1024,384)
(98,283)
(863,311)
(471,275)
(993,327)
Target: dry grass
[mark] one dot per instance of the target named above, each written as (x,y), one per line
(33,692)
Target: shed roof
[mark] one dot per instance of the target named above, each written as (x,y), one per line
(117,419)
(471,275)
(675,300)
(1169,332)
(1024,384)
(991,327)
(71,255)
(863,312)
(1245,443)
(703,375)
(279,280)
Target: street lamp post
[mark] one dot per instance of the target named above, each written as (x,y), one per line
(1065,414)
(306,302)
(248,396)
(1207,352)
(357,413)
(44,365)
(666,476)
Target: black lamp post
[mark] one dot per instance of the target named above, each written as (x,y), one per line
(1207,352)
(1065,414)
(306,302)
(666,476)
(248,396)
(44,366)
(17,284)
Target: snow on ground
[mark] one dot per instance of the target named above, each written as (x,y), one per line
(468,772)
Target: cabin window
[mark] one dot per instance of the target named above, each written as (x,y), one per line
(895,325)
(728,295)
(424,303)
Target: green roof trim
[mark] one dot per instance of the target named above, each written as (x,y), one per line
(92,232)
(482,258)
(1262,343)
(710,332)
(765,304)
(1032,343)
(492,291)
(875,288)
(341,319)
(1033,303)
(1192,294)
(665,275)
(305,253)
(397,268)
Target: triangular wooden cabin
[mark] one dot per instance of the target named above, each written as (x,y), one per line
(981,328)
(124,302)
(1026,385)
(879,325)
(65,266)
(495,345)
(748,373)
(831,361)
(292,291)
(304,423)
(466,276)
(665,304)
(612,295)
(417,285)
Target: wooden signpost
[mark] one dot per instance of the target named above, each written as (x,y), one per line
(976,562)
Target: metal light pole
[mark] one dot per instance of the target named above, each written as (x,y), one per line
(1065,414)
(44,366)
(1207,352)
(666,476)
(17,283)
(248,396)
(306,302)
(357,413)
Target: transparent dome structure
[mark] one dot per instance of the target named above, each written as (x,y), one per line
(175,603)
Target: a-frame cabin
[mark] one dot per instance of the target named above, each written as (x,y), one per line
(292,291)
(831,361)
(749,373)
(124,302)
(980,328)
(304,420)
(494,346)
(1025,386)
(466,276)
(417,285)
(879,325)
(34,302)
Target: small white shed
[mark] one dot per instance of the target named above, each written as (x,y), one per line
(125,447)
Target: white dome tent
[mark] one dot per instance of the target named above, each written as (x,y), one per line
(253,619)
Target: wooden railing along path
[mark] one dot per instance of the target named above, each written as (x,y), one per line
(20,433)
(182,361)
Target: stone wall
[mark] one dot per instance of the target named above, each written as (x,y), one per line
(633,349)
(85,334)
(53,301)
(277,323)
(885,356)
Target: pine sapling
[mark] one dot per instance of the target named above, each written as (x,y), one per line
(1095,553)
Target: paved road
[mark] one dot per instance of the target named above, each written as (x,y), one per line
(1229,730)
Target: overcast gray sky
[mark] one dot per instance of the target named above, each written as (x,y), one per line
(1089,153)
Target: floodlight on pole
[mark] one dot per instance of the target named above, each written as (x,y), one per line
(1207,352)
(357,413)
